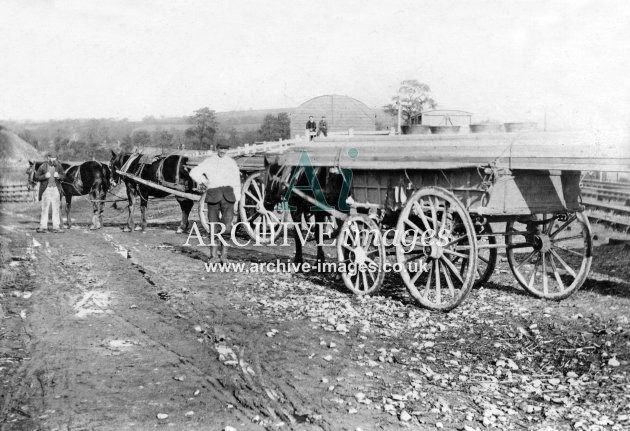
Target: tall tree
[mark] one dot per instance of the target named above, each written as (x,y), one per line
(414,98)
(204,126)
(141,138)
(163,138)
(275,127)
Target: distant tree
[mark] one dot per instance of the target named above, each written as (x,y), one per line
(204,127)
(250,136)
(126,144)
(275,127)
(163,138)
(141,138)
(415,97)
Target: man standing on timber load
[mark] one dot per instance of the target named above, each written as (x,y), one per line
(322,127)
(50,174)
(311,127)
(221,177)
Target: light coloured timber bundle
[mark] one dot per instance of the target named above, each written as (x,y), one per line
(567,151)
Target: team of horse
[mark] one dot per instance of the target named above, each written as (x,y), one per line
(95,179)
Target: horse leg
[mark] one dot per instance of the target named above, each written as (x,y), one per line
(68,206)
(94,197)
(144,201)
(319,220)
(131,200)
(185,205)
(102,196)
(299,258)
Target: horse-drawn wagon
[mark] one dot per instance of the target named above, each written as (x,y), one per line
(434,200)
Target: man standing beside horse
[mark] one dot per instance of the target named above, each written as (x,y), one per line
(221,177)
(50,174)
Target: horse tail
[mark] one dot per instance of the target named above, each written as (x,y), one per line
(107,175)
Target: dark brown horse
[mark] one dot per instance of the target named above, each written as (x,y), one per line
(169,171)
(330,183)
(88,178)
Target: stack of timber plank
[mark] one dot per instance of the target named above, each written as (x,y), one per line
(567,151)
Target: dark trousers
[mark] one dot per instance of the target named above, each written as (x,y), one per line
(222,212)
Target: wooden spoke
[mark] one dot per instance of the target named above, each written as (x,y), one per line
(413,225)
(365,280)
(372,276)
(454,253)
(261,195)
(438,291)
(424,219)
(416,257)
(563,263)
(448,244)
(527,258)
(533,277)
(544,273)
(416,277)
(425,292)
(248,193)
(432,204)
(549,226)
(449,282)
(452,268)
(563,225)
(567,238)
(444,213)
(556,274)
(568,250)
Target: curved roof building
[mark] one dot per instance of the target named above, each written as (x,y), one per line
(342,113)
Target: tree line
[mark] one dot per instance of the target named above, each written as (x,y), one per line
(94,138)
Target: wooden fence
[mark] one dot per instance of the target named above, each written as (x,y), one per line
(17,192)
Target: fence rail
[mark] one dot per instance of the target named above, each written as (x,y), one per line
(607,202)
(17,193)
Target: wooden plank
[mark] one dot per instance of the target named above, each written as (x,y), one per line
(191,196)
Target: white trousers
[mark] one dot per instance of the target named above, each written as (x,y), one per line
(50,198)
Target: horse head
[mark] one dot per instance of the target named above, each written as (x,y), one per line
(30,172)
(275,181)
(116,162)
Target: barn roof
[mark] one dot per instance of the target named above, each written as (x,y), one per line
(342,113)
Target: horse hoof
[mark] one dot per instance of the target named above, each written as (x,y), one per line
(126,229)
(138,228)
(179,230)
(92,227)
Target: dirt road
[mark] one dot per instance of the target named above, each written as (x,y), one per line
(108,330)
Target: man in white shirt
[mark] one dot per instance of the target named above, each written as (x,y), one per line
(222,178)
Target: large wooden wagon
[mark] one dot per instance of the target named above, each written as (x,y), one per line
(432,202)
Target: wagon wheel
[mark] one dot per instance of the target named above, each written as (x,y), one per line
(560,247)
(434,227)
(256,219)
(361,246)
(203,212)
(486,253)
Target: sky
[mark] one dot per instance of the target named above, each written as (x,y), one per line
(502,60)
